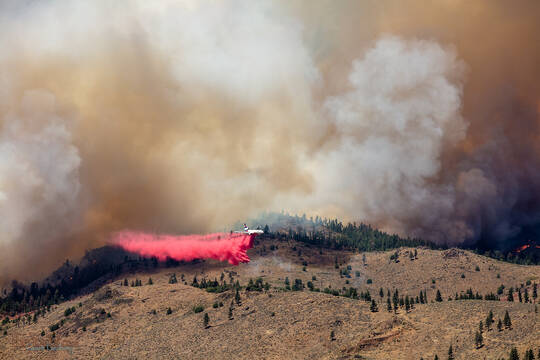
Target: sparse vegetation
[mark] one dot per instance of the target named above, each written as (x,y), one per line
(69,311)
(256,285)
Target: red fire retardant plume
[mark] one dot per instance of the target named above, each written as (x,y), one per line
(220,246)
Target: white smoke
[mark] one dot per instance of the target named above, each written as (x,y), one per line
(402,111)
(39,184)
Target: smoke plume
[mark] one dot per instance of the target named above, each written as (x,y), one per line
(229,247)
(183,116)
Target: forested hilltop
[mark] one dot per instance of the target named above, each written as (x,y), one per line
(334,234)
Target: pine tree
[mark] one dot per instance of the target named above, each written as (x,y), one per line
(478,339)
(436,357)
(510,294)
(481,326)
(421,297)
(332,335)
(230,312)
(237,297)
(514,354)
(126,282)
(535,293)
(206,320)
(150,282)
(489,320)
(373,306)
(507,321)
(388,305)
(526,295)
(450,353)
(381,292)
(499,325)
(519,296)
(407,304)
(438,297)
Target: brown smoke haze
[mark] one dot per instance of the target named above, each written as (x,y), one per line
(184,116)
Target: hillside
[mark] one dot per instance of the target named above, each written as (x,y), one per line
(279,323)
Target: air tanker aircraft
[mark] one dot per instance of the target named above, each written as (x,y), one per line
(249,232)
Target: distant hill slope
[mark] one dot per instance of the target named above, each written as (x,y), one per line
(118,322)
(100,265)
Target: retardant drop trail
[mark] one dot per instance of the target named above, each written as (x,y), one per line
(231,247)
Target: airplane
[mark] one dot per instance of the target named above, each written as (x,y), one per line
(248,231)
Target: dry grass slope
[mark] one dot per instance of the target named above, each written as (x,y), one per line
(292,325)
